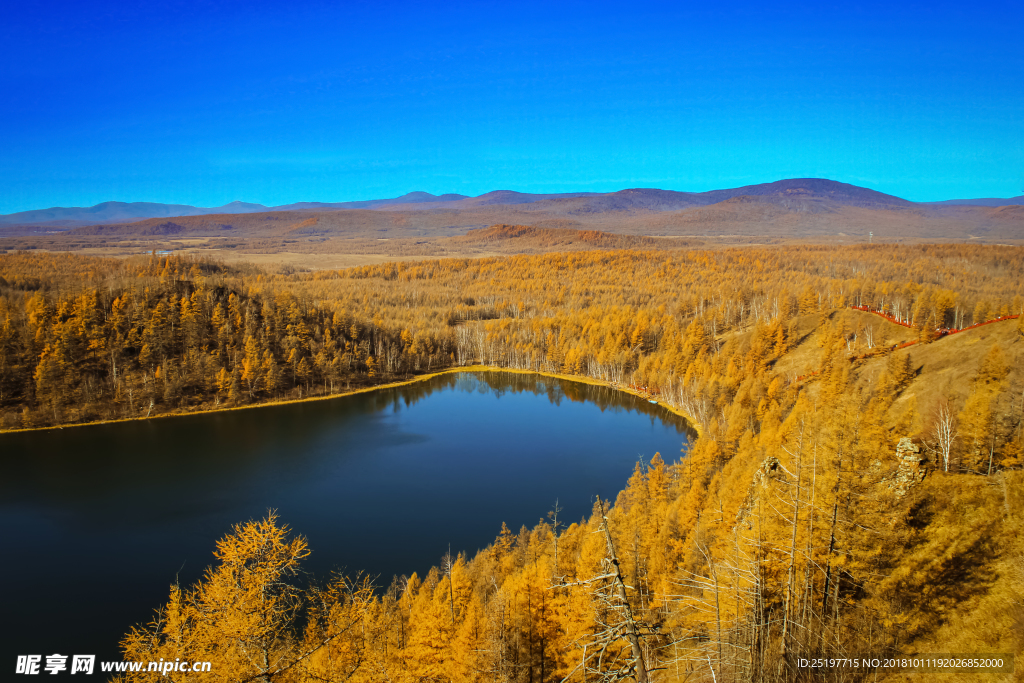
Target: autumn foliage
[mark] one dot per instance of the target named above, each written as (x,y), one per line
(791,529)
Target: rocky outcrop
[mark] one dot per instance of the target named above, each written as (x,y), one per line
(770,469)
(908,467)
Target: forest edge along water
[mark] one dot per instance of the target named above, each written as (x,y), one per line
(106,518)
(693,424)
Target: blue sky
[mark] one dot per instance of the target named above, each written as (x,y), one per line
(205,103)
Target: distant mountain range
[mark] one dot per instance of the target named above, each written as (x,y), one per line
(120,212)
(992,201)
(811,195)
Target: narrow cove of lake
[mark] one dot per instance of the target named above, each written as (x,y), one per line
(99,521)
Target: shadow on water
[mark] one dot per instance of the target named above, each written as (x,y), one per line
(98,521)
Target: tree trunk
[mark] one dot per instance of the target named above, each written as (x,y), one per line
(631,633)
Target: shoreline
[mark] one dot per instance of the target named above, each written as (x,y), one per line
(362,390)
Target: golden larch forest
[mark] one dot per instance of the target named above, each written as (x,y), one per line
(856,485)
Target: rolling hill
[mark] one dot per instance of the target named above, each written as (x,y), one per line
(122,212)
(796,192)
(801,209)
(989,201)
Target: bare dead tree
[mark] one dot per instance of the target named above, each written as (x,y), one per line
(448,564)
(605,659)
(943,433)
(554,532)
(725,595)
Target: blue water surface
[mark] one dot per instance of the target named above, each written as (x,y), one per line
(97,522)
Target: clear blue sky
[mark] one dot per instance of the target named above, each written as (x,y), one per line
(205,103)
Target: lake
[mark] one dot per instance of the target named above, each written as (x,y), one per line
(98,521)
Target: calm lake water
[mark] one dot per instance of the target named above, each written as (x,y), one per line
(97,522)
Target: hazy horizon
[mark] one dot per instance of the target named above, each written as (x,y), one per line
(378,199)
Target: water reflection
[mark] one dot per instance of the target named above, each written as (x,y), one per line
(102,519)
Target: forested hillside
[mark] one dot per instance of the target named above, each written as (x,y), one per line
(856,486)
(86,339)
